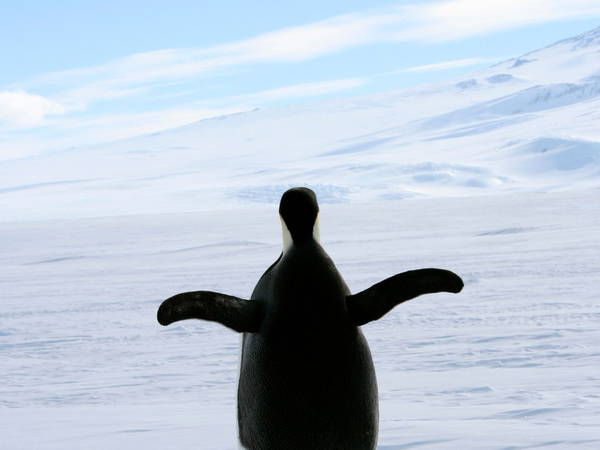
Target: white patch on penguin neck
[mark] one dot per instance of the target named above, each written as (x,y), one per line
(316,231)
(287,236)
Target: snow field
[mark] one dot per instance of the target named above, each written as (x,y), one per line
(511,362)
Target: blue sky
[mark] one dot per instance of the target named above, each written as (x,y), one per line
(77,73)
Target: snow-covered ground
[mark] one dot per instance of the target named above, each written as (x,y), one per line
(511,362)
(495,176)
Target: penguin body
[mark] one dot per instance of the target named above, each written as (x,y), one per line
(307,379)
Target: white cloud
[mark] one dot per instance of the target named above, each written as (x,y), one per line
(316,39)
(457,19)
(444,65)
(78,99)
(135,74)
(19,109)
(299,91)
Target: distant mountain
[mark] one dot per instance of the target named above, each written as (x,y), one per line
(585,40)
(570,60)
(528,123)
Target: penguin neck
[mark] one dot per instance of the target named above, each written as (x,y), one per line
(288,241)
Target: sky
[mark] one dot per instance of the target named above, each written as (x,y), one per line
(79,73)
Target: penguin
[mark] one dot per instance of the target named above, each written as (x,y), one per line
(307,379)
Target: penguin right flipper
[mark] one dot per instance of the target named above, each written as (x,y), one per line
(235,313)
(371,304)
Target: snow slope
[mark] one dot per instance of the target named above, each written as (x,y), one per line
(455,138)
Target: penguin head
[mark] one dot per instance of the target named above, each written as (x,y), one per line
(299,213)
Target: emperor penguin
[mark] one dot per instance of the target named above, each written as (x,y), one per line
(307,380)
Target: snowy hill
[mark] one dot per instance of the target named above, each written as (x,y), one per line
(529,123)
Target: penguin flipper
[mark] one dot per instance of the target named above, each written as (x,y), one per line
(233,312)
(374,302)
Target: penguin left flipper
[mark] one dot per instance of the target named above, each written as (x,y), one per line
(372,303)
(233,312)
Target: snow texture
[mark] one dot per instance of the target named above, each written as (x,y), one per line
(495,176)
(511,362)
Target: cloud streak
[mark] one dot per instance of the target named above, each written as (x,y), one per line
(298,91)
(446,65)
(459,19)
(20,109)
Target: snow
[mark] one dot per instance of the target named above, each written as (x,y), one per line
(495,176)
(510,362)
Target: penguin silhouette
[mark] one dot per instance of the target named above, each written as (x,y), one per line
(307,379)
